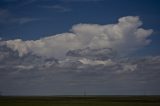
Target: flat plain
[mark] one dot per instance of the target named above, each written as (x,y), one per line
(80,101)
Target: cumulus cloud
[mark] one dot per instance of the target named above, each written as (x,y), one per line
(123,35)
(126,35)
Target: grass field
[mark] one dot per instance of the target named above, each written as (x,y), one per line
(81,101)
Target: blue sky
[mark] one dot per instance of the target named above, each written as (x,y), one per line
(95,45)
(52,17)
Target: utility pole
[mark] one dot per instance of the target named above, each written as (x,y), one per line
(0,93)
(84,92)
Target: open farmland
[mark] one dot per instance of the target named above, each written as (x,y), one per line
(81,101)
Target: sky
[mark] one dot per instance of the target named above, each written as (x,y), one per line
(68,47)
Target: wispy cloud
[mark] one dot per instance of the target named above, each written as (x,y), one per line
(4,15)
(20,3)
(9,0)
(81,0)
(25,20)
(59,8)
(6,18)
(27,2)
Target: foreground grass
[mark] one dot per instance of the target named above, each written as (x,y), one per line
(82,101)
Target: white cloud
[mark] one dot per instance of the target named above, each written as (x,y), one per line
(127,68)
(123,36)
(24,67)
(53,46)
(108,62)
(18,45)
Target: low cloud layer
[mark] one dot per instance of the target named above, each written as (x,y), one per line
(34,75)
(124,36)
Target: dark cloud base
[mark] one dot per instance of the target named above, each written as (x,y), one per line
(35,75)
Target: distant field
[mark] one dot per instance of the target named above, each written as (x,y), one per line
(82,101)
